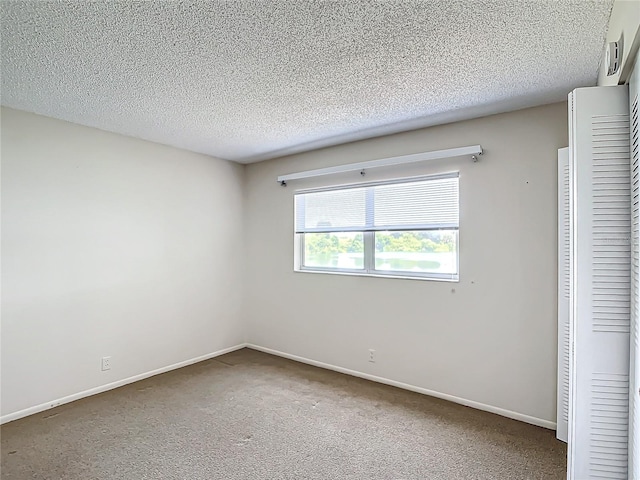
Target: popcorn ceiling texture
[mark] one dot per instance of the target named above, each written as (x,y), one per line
(250,80)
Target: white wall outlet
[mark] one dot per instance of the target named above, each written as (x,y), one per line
(106,363)
(372,355)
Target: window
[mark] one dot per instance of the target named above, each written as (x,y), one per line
(406,228)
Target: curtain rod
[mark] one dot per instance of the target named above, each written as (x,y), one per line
(473,150)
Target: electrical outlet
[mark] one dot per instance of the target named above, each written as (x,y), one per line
(106,363)
(372,355)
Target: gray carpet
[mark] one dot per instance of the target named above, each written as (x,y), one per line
(248,415)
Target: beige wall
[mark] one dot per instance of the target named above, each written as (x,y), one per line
(111,246)
(489,340)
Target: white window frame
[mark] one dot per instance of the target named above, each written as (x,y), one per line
(369,269)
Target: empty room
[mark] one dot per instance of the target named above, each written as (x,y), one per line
(311,239)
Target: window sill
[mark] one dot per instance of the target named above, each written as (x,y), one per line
(379,275)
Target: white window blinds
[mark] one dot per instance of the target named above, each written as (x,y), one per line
(424,204)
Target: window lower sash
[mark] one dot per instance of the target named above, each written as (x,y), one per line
(399,264)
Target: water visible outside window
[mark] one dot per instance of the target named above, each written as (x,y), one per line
(398,251)
(417,252)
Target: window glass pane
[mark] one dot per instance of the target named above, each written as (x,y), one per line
(417,251)
(334,250)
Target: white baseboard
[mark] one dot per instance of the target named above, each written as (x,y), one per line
(110,386)
(462,401)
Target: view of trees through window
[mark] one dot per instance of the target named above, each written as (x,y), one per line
(415,251)
(334,250)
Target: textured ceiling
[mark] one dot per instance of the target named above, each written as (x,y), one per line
(250,80)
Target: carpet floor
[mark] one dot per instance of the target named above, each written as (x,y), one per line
(249,415)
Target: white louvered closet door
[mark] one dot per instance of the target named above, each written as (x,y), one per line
(564,272)
(600,283)
(634,370)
